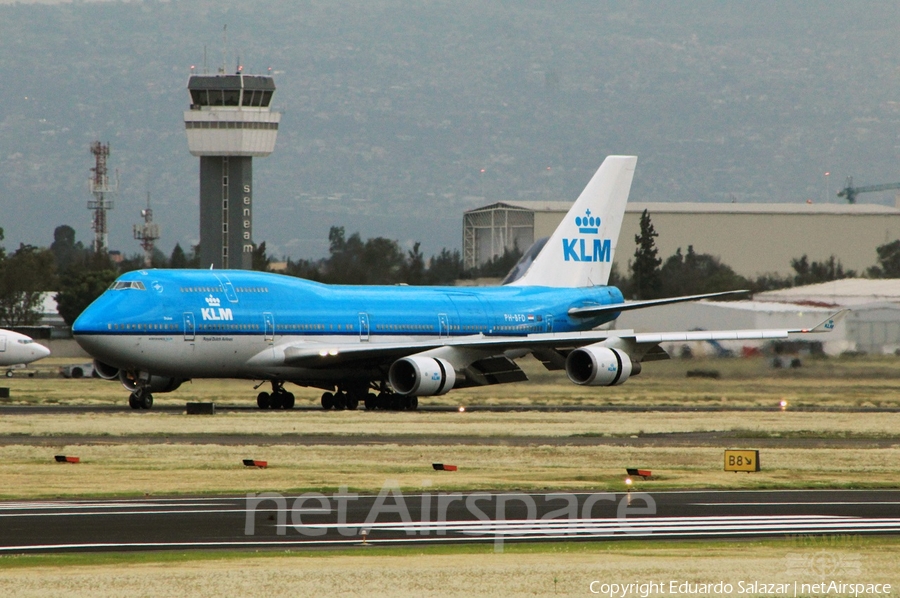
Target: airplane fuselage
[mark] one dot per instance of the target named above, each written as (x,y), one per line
(386,346)
(204,323)
(18,349)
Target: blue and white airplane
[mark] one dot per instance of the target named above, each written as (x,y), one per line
(385,346)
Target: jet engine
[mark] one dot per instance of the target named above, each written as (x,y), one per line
(106,371)
(148,382)
(595,365)
(422,376)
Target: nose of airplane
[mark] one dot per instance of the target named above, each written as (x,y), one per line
(40,351)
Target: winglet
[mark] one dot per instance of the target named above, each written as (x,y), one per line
(828,324)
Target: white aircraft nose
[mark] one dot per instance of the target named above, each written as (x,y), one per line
(40,351)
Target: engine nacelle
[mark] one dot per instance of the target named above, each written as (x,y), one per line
(149,382)
(422,376)
(105,371)
(600,366)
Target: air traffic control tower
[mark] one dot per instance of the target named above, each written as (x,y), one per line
(228,124)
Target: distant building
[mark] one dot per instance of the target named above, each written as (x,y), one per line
(735,315)
(847,292)
(872,326)
(753,239)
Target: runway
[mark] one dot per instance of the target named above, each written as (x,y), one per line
(44,409)
(312,520)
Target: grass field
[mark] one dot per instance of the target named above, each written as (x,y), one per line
(827,437)
(135,453)
(521,570)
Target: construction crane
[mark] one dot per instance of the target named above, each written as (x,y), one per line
(850,192)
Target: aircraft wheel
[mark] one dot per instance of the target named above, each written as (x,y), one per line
(352,403)
(412,403)
(262,400)
(287,401)
(146,400)
(384,401)
(327,400)
(9,373)
(134,401)
(340,401)
(276,399)
(398,402)
(370,402)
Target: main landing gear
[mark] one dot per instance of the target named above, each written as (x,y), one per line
(384,400)
(140,399)
(278,399)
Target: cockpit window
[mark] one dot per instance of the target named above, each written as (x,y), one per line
(127,284)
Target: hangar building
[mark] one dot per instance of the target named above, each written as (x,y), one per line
(753,239)
(872,325)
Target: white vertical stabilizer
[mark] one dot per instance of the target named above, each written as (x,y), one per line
(581,250)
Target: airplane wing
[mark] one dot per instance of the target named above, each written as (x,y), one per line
(598,310)
(639,345)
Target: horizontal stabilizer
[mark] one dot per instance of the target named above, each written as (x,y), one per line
(828,324)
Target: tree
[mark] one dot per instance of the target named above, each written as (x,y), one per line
(617,280)
(645,269)
(352,261)
(79,287)
(24,277)
(135,261)
(445,268)
(178,259)
(307,269)
(194,258)
(383,262)
(65,249)
(888,261)
(696,273)
(158,259)
(500,265)
(770,282)
(413,271)
(344,263)
(816,272)
(260,261)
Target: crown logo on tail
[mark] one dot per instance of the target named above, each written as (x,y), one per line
(588,224)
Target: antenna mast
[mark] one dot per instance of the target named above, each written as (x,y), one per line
(224,49)
(147,233)
(100,188)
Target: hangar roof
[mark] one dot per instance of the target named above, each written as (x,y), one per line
(712,208)
(848,291)
(767,306)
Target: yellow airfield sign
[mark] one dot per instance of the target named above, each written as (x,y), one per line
(741,460)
